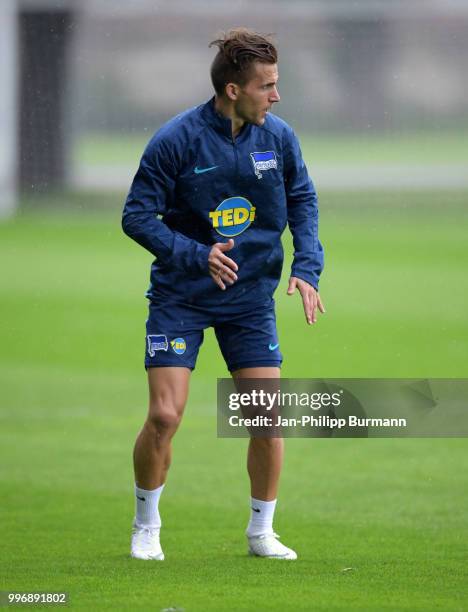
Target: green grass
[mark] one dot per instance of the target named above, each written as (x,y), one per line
(444,147)
(73,397)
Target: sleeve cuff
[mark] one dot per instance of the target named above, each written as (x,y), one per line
(312,279)
(201,258)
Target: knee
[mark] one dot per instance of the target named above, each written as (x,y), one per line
(164,418)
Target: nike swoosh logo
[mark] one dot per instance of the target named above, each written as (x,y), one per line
(272,347)
(202,170)
(256,509)
(142,498)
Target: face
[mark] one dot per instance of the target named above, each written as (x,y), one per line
(256,98)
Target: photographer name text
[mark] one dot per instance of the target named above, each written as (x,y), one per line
(325,422)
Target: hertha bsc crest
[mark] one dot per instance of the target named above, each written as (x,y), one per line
(156,342)
(263,160)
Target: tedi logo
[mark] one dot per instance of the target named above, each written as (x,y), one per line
(179,346)
(233,216)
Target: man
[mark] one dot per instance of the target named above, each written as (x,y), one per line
(214,190)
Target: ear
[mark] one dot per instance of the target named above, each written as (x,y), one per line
(232,91)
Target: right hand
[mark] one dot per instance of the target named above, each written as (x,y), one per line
(222,268)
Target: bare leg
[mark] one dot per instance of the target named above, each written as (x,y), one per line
(265,455)
(168,390)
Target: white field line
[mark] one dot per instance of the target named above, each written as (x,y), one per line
(343,176)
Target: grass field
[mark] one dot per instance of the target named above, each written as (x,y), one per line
(378,524)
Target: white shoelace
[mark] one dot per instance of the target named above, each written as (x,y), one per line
(267,535)
(146,531)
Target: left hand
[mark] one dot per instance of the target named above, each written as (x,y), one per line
(310,298)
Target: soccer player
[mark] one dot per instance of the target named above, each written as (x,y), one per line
(214,191)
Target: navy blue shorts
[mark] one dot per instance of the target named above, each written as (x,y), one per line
(247,338)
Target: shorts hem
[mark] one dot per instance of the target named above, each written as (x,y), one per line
(259,363)
(167,365)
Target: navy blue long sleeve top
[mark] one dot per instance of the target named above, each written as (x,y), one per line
(196,186)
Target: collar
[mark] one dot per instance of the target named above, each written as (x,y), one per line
(221,124)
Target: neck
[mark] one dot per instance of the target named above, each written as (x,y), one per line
(226,109)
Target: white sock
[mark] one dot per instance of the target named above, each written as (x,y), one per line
(147,502)
(261,517)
